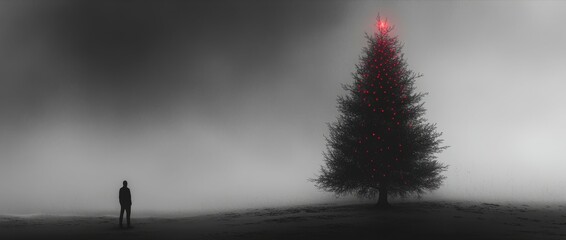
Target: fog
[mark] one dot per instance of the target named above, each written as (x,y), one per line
(222,105)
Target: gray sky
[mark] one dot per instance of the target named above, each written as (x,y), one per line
(223,105)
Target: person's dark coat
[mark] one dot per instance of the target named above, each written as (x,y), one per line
(125,197)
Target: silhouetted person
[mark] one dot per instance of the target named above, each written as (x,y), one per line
(125,203)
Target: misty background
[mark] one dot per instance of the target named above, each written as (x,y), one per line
(217,105)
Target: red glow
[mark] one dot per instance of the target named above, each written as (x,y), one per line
(382,25)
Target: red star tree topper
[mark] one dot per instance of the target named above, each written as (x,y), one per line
(381,143)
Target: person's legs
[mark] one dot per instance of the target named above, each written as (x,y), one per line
(122,215)
(128,210)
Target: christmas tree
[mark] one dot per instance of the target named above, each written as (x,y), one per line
(381,143)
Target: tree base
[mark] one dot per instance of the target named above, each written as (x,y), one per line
(383,205)
(382,202)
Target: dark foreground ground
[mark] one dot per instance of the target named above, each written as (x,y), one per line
(407,220)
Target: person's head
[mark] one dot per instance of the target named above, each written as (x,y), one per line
(125,183)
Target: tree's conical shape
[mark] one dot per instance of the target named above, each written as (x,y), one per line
(381,142)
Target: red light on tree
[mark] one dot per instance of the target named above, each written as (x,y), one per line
(382,25)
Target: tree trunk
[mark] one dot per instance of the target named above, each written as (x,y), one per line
(382,200)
